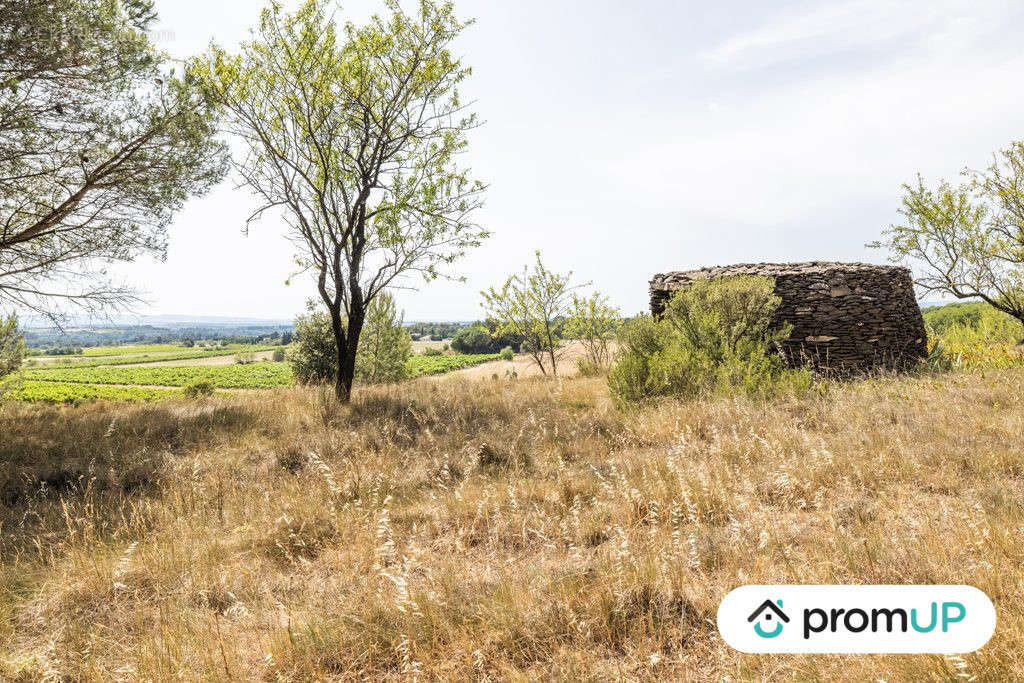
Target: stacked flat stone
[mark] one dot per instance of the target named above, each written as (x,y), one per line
(847,318)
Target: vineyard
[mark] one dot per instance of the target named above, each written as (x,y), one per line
(434,365)
(252,376)
(60,392)
(122,376)
(151,356)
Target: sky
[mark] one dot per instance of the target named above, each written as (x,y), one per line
(628,139)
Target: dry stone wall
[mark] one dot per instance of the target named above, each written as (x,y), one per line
(847,318)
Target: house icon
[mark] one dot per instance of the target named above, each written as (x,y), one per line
(767,613)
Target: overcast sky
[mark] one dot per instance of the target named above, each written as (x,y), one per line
(626,139)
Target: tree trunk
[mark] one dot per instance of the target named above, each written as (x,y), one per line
(347,358)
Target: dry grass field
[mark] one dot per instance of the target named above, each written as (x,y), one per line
(481,529)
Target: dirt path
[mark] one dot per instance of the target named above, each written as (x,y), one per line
(523,365)
(212,360)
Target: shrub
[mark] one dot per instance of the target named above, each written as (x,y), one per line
(715,337)
(432,351)
(245,358)
(278,355)
(507,353)
(199,389)
(12,346)
(384,346)
(314,356)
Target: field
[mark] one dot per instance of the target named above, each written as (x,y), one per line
(494,529)
(141,376)
(61,392)
(147,354)
(251,376)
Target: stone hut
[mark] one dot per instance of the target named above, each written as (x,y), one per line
(847,318)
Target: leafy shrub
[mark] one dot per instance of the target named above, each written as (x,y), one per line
(314,356)
(384,346)
(432,351)
(984,338)
(942,319)
(199,389)
(12,346)
(715,337)
(245,358)
(507,353)
(278,356)
(589,368)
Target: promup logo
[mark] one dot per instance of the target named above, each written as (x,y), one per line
(765,614)
(857,619)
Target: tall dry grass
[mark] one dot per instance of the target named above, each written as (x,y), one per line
(494,530)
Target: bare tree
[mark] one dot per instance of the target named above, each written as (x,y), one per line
(353,139)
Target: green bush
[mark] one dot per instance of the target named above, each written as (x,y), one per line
(432,351)
(278,355)
(199,389)
(715,337)
(507,353)
(384,346)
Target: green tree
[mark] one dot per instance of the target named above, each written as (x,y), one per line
(967,240)
(12,346)
(386,346)
(354,137)
(99,145)
(529,306)
(594,322)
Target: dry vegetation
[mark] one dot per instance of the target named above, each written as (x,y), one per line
(494,529)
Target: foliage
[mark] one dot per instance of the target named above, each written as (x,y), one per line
(528,306)
(356,137)
(432,365)
(432,351)
(314,356)
(100,144)
(12,346)
(433,331)
(245,358)
(386,346)
(507,353)
(968,239)
(484,337)
(62,392)
(980,338)
(594,322)
(278,356)
(199,389)
(998,326)
(473,339)
(381,357)
(715,337)
(255,376)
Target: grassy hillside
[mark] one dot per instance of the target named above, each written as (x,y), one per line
(495,529)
